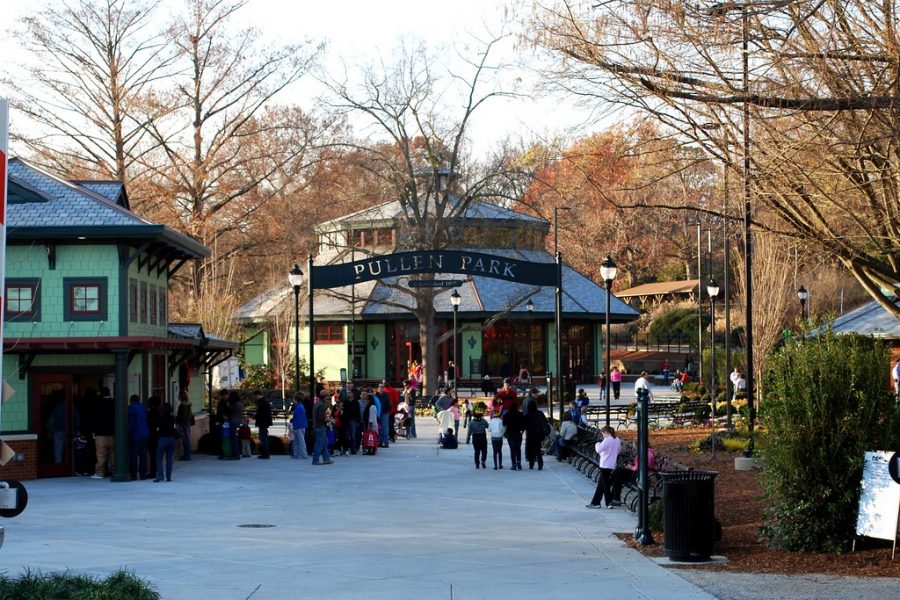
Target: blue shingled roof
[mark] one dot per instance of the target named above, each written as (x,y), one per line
(68,204)
(111,190)
(870,319)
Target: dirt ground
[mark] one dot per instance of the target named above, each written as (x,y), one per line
(739,508)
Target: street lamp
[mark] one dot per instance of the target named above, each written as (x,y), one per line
(530,306)
(295,278)
(455,299)
(712,289)
(803,296)
(608,272)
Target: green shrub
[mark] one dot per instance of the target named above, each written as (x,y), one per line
(64,586)
(826,404)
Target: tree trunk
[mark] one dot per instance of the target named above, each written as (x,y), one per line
(430,364)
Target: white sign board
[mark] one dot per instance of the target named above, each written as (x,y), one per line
(879,502)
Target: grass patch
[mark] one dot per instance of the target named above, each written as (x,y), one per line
(35,585)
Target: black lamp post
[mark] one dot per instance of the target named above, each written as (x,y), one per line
(530,307)
(803,296)
(712,288)
(608,272)
(455,299)
(295,278)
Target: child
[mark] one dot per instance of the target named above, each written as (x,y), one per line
(467,414)
(245,437)
(370,442)
(448,440)
(497,431)
(478,430)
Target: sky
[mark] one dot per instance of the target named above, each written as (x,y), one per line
(359,31)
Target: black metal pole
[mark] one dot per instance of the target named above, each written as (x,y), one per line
(559,360)
(699,300)
(312,334)
(748,244)
(608,350)
(455,310)
(728,389)
(712,370)
(643,534)
(296,338)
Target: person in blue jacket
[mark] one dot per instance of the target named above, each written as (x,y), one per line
(138,435)
(299,424)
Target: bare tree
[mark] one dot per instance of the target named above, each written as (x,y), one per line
(423,162)
(227,150)
(819,86)
(89,67)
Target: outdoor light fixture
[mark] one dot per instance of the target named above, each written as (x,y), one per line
(455,299)
(295,278)
(608,272)
(712,288)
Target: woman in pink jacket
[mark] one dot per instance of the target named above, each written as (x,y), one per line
(608,452)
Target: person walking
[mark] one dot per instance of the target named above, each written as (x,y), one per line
(166,447)
(263,422)
(409,396)
(184,418)
(608,451)
(138,434)
(320,426)
(299,423)
(454,410)
(537,428)
(477,429)
(514,421)
(615,380)
(105,434)
(495,426)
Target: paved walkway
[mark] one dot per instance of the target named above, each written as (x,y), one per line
(413,522)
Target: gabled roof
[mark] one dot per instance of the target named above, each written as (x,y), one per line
(393,211)
(46,207)
(870,319)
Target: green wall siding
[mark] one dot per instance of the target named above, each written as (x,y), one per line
(15,410)
(375,362)
(256,346)
(71,261)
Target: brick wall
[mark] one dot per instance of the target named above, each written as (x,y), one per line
(23,471)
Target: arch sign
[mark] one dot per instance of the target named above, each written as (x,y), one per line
(435,261)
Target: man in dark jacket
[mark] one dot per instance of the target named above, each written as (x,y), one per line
(235,417)
(105,434)
(263,422)
(514,421)
(350,402)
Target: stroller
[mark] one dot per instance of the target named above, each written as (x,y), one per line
(402,423)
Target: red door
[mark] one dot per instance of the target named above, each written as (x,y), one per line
(53,414)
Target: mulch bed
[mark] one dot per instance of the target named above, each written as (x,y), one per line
(739,508)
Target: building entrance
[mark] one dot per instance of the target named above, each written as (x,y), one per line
(63,405)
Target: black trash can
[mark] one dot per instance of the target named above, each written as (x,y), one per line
(689,517)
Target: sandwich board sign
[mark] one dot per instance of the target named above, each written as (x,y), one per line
(879,500)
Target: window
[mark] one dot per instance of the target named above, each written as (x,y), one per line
(332,333)
(152,309)
(143,302)
(133,300)
(23,300)
(86,299)
(163,299)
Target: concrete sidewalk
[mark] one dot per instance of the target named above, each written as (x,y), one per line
(412,522)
